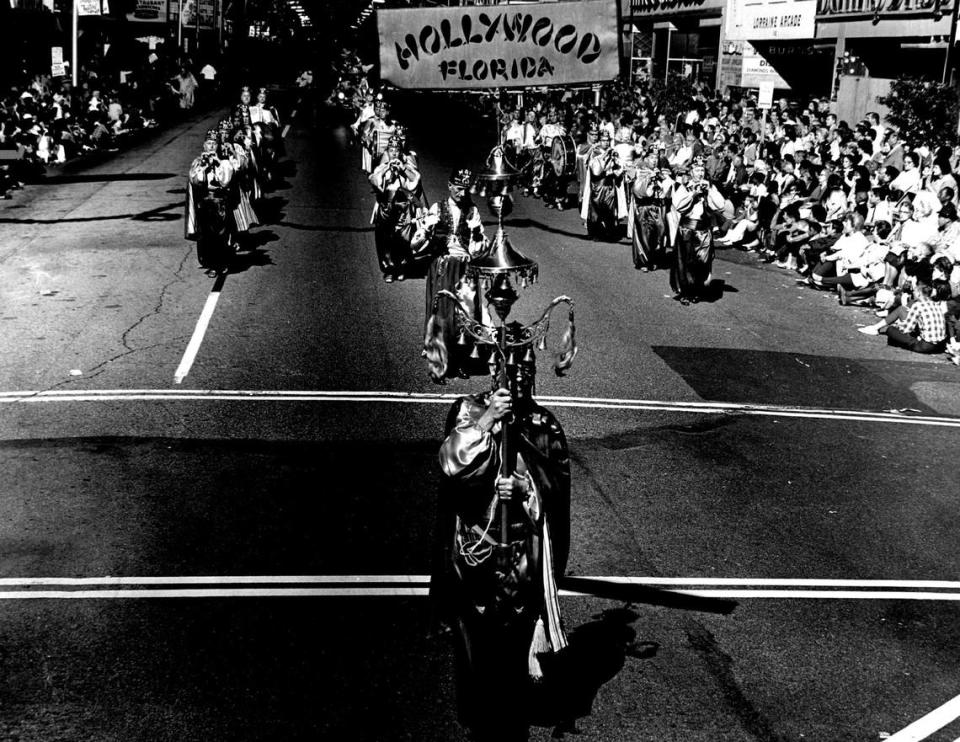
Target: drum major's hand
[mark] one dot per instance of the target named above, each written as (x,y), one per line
(501,405)
(512,485)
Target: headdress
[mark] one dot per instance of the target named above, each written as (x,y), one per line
(211,134)
(395,141)
(262,90)
(592,126)
(624,134)
(245,89)
(462,177)
(698,161)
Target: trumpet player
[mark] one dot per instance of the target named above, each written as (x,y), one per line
(396,183)
(695,202)
(651,191)
(603,203)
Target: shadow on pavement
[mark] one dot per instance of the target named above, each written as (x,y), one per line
(323,227)
(596,653)
(151,215)
(782,378)
(102,178)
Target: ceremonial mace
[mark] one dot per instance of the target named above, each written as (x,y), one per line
(494,275)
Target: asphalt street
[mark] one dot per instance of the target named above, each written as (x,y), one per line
(768,454)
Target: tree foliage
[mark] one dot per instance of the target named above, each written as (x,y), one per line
(924,112)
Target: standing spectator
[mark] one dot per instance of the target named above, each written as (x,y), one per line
(185,85)
(209,75)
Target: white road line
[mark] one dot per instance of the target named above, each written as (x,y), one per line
(249,592)
(387,591)
(932,722)
(190,354)
(217,580)
(417,585)
(384,397)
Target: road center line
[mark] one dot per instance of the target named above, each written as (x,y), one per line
(351,586)
(190,354)
(932,722)
(388,397)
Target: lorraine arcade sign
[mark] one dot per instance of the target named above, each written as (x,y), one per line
(506,46)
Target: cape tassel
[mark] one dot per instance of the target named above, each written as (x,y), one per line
(435,351)
(567,349)
(538,645)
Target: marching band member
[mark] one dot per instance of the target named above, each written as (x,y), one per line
(553,184)
(457,238)
(529,164)
(210,175)
(603,203)
(243,213)
(651,192)
(584,149)
(408,156)
(241,114)
(502,606)
(512,134)
(374,135)
(695,202)
(396,182)
(365,113)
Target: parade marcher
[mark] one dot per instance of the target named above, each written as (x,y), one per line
(396,183)
(512,135)
(241,113)
(530,163)
(243,213)
(695,201)
(584,150)
(374,135)
(409,158)
(266,127)
(499,598)
(603,204)
(211,200)
(365,106)
(651,193)
(553,184)
(457,237)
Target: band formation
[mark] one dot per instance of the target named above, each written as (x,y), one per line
(227,182)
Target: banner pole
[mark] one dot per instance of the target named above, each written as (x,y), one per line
(74,72)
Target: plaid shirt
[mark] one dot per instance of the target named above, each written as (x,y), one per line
(929,318)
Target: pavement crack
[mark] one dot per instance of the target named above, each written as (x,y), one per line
(158,307)
(720,665)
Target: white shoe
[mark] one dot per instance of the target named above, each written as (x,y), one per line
(869,330)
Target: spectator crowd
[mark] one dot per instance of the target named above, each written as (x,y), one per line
(861,210)
(46,121)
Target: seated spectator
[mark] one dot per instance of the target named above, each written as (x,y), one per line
(922,327)
(742,228)
(846,251)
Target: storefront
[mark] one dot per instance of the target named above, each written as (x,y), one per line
(667,37)
(878,39)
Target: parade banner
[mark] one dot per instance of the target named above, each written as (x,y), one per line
(506,46)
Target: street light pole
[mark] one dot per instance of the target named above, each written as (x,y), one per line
(180,27)
(74,71)
(950,41)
